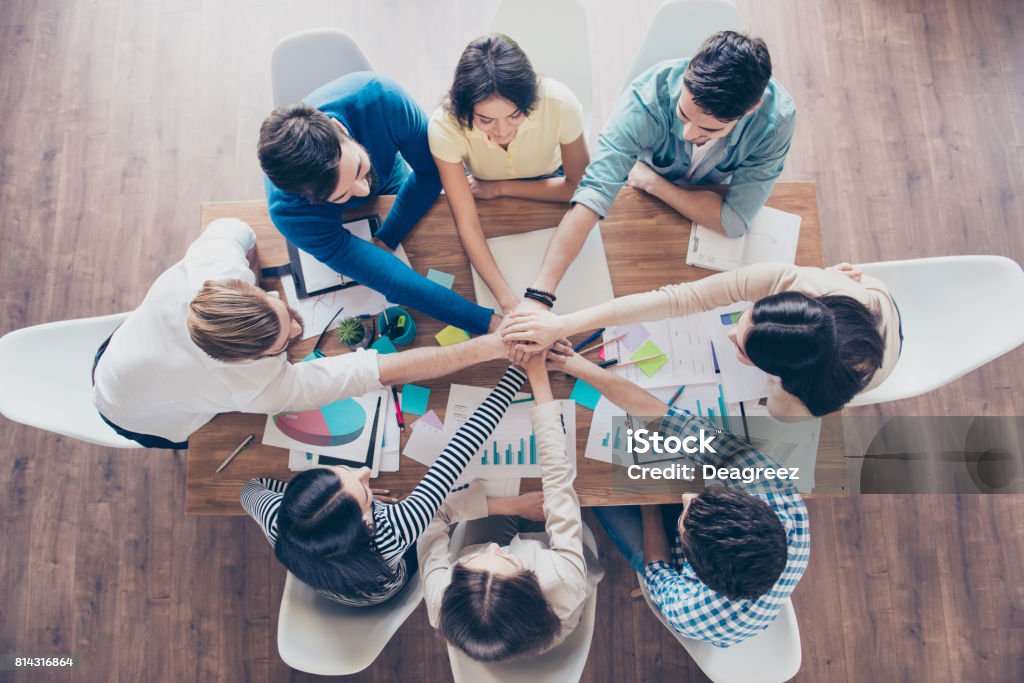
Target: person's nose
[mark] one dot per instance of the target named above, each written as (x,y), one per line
(690,132)
(492,549)
(364,474)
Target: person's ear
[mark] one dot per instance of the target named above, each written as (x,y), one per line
(755,107)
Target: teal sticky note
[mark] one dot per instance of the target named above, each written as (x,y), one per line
(415,399)
(441,278)
(585,395)
(384,345)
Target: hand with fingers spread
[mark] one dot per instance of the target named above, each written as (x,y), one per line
(541,327)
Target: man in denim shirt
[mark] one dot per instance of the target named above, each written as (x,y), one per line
(684,123)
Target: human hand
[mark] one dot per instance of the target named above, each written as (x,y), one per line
(642,177)
(530,506)
(484,189)
(383,495)
(848,270)
(561,355)
(541,327)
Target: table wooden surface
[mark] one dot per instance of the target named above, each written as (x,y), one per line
(645,242)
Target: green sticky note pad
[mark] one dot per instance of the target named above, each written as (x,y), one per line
(384,345)
(441,278)
(585,395)
(451,335)
(415,399)
(649,367)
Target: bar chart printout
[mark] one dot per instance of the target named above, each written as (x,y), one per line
(511,450)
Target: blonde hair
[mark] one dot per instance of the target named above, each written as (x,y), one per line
(232,320)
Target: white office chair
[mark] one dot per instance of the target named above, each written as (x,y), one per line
(958,313)
(678,28)
(304,61)
(47,378)
(561,664)
(558,46)
(772,656)
(320,636)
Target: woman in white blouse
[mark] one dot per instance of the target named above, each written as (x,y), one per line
(521,593)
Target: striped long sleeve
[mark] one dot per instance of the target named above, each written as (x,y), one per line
(405,521)
(261,498)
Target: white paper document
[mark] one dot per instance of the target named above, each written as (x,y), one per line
(772,236)
(586,283)
(706,400)
(742,382)
(511,450)
(686,343)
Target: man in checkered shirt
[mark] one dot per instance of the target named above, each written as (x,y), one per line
(737,551)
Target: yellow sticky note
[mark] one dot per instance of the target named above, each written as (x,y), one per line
(649,348)
(451,335)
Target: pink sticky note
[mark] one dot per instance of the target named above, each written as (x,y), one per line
(636,334)
(600,354)
(430,418)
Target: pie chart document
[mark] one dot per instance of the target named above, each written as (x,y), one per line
(341,429)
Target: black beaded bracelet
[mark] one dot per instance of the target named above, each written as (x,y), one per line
(538,297)
(540,292)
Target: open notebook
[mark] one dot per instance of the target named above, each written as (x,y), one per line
(772,237)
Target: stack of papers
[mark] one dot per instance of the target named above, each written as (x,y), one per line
(772,237)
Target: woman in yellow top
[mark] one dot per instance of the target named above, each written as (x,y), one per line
(518,135)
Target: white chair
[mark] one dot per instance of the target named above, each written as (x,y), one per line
(772,656)
(678,28)
(558,45)
(958,313)
(304,61)
(320,636)
(47,378)
(561,664)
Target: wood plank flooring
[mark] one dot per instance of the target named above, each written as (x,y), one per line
(119,117)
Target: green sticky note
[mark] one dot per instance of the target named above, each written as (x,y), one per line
(415,399)
(650,367)
(451,335)
(384,345)
(585,395)
(441,278)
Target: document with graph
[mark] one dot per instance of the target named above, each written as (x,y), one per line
(511,450)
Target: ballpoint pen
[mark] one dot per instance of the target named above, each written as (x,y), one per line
(588,339)
(241,447)
(398,408)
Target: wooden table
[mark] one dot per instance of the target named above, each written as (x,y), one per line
(639,230)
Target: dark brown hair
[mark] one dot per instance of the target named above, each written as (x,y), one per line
(491,65)
(735,542)
(299,150)
(232,320)
(728,74)
(496,618)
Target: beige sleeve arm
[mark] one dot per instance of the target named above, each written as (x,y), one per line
(672,301)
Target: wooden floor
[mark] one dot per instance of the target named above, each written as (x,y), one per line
(117,118)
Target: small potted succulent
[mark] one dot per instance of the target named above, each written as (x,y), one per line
(352,333)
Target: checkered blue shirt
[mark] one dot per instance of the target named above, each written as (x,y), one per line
(690,607)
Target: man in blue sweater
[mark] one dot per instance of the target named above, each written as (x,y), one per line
(353,139)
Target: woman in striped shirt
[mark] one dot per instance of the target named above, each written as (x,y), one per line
(330,532)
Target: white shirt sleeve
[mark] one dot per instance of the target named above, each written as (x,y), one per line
(220,253)
(315,383)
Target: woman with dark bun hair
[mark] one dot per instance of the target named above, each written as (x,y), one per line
(822,335)
(357,545)
(504,131)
